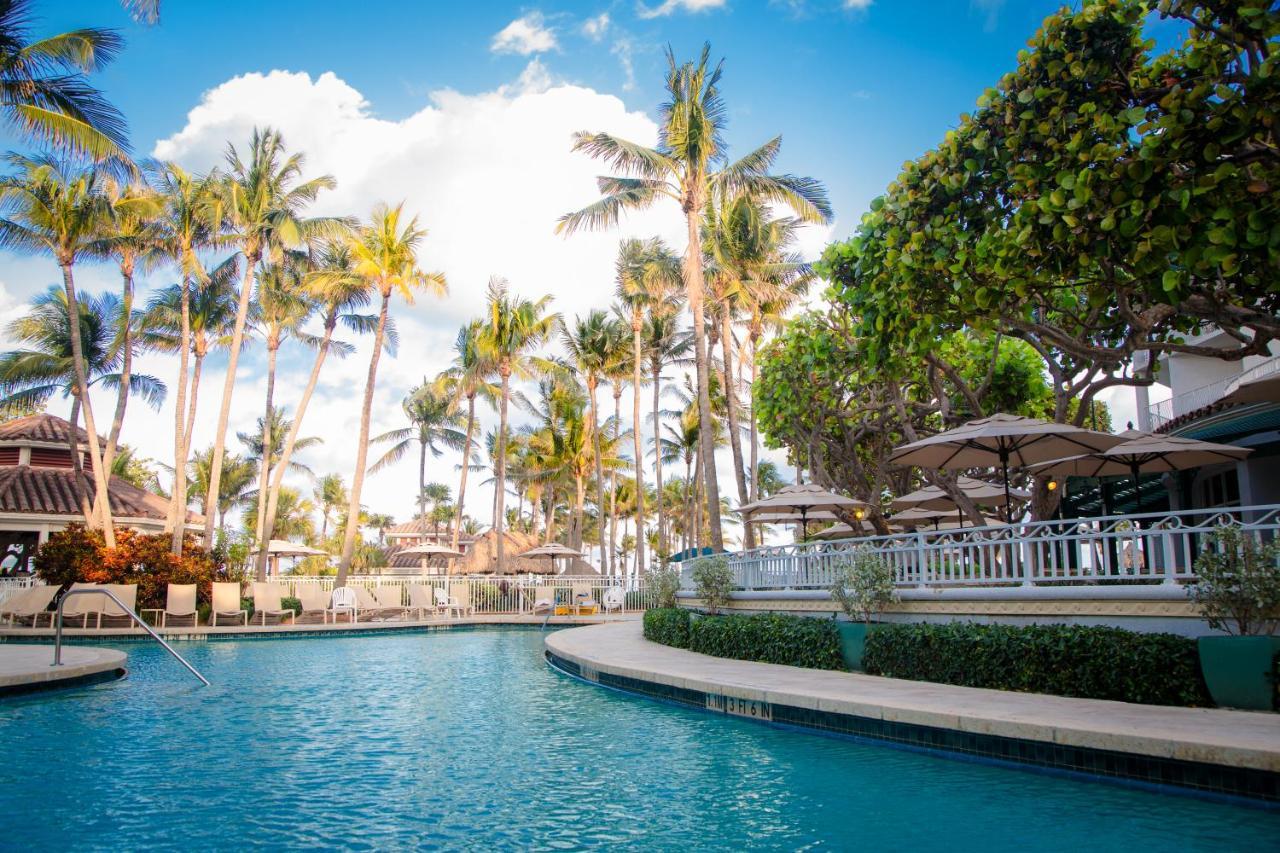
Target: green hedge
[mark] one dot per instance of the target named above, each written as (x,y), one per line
(667,625)
(769,638)
(1093,662)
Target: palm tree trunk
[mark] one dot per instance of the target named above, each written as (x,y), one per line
(102,502)
(595,446)
(551,517)
(273,499)
(73,442)
(176,523)
(251,258)
(466,464)
(262,533)
(663,543)
(579,512)
(126,363)
(422,479)
(706,427)
(362,447)
(755,431)
(500,470)
(731,400)
(197,365)
(690,491)
(637,442)
(613,482)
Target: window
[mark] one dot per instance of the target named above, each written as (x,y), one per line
(1222,489)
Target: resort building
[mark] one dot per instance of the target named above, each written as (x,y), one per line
(421,532)
(38,492)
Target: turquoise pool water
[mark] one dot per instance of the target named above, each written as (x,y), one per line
(467,740)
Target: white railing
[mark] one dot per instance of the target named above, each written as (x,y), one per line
(490,593)
(1113,550)
(1208,394)
(12,586)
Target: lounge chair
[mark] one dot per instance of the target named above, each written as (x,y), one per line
(583,603)
(445,604)
(31,603)
(267,601)
(315,602)
(83,606)
(179,603)
(544,599)
(371,608)
(615,598)
(111,614)
(343,600)
(391,600)
(420,599)
(226,603)
(460,595)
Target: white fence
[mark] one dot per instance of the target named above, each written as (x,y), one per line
(490,593)
(1114,550)
(12,586)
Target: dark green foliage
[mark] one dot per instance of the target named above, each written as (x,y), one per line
(1088,661)
(769,638)
(291,603)
(667,625)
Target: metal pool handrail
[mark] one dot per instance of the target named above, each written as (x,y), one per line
(57,636)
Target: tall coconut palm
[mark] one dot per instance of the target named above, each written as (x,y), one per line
(689,167)
(433,424)
(665,342)
(619,372)
(467,378)
(513,328)
(648,273)
(335,286)
(261,201)
(330,494)
(190,222)
(593,344)
(50,207)
(265,445)
(234,489)
(44,90)
(384,255)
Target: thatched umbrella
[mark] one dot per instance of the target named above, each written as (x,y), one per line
(430,549)
(1000,441)
(807,499)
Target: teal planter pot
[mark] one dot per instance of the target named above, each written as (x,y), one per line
(853,642)
(1238,670)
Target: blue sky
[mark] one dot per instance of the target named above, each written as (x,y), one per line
(466,113)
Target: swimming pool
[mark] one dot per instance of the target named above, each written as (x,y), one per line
(467,739)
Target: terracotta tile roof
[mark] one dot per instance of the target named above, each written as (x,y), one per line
(39,428)
(51,491)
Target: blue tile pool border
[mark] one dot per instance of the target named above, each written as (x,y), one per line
(85,680)
(1239,785)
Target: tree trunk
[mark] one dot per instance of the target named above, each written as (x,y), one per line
(422,479)
(176,523)
(262,533)
(613,482)
(500,470)
(637,442)
(579,512)
(663,544)
(755,431)
(228,391)
(466,464)
(197,365)
(73,442)
(731,401)
(551,517)
(595,446)
(689,492)
(273,499)
(126,363)
(101,510)
(362,447)
(706,427)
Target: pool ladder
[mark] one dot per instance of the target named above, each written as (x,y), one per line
(57,636)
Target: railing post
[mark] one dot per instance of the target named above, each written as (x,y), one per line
(921,562)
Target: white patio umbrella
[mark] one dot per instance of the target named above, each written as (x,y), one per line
(1000,441)
(553,551)
(807,499)
(277,548)
(978,491)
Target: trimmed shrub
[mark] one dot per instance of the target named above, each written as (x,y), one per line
(667,625)
(665,583)
(769,638)
(288,602)
(1092,662)
(713,582)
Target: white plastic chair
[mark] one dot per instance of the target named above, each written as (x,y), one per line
(614,599)
(344,600)
(445,604)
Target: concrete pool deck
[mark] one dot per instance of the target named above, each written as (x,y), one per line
(27,668)
(1052,731)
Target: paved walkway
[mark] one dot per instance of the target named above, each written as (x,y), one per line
(23,666)
(1212,736)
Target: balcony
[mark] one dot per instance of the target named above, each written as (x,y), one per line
(1206,395)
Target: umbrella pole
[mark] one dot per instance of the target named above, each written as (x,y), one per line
(1008,503)
(804,524)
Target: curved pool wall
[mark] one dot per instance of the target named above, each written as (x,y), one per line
(468,740)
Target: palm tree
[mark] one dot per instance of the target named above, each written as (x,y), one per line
(233,490)
(49,207)
(513,328)
(330,494)
(683,168)
(271,427)
(261,202)
(44,92)
(648,273)
(467,378)
(32,375)
(664,343)
(593,345)
(281,309)
(334,284)
(433,422)
(384,255)
(381,522)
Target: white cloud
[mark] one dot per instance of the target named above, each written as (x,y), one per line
(857,5)
(525,35)
(670,6)
(622,49)
(990,11)
(595,28)
(488,174)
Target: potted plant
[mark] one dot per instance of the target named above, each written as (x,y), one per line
(863,588)
(712,582)
(1238,590)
